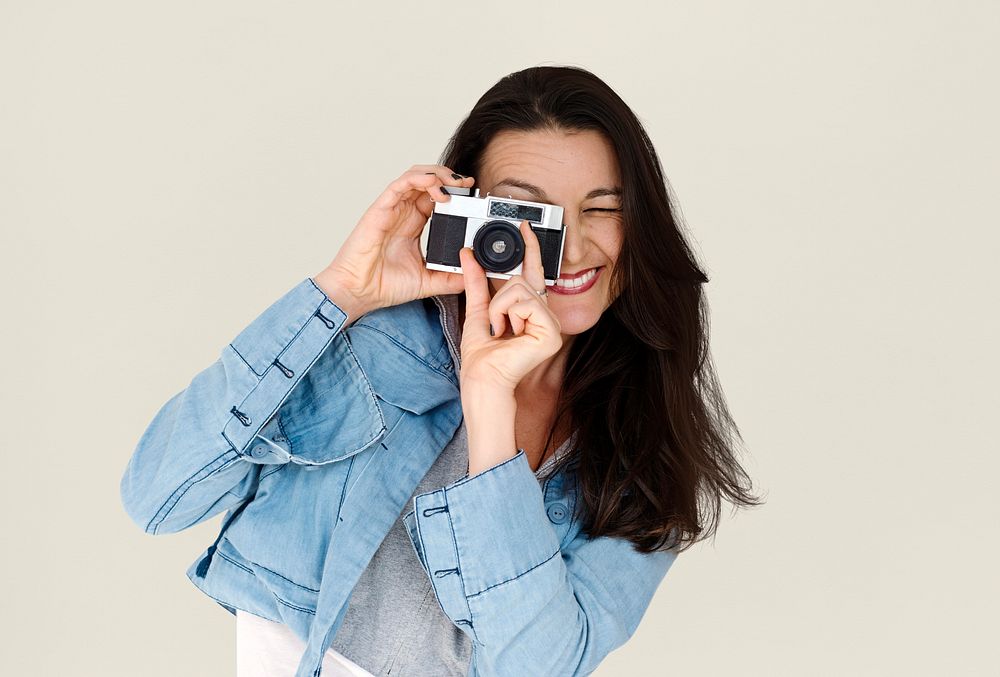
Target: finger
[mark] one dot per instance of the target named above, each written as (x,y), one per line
(436,193)
(532,271)
(477,295)
(513,290)
(443,282)
(448,178)
(531,317)
(415,181)
(443,172)
(446,174)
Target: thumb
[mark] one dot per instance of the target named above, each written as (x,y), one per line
(444,282)
(477,294)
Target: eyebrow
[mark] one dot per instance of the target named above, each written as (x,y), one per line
(540,194)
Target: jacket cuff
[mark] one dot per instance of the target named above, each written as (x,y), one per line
(481,531)
(275,350)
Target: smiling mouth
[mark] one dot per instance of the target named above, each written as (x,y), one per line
(577,284)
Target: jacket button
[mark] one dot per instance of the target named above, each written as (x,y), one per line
(258,451)
(556,513)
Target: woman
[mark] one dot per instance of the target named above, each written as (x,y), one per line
(505,470)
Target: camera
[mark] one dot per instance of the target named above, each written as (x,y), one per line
(491,227)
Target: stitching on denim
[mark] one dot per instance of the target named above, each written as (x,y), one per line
(458,558)
(343,488)
(249,366)
(509,580)
(292,606)
(415,543)
(256,564)
(364,378)
(232,444)
(406,350)
(276,597)
(367,380)
(288,440)
(188,483)
(420,537)
(234,562)
(284,578)
(484,472)
(294,336)
(292,383)
(443,321)
(278,468)
(348,483)
(316,286)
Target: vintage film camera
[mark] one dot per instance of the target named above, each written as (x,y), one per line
(491,226)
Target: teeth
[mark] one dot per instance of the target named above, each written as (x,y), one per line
(578,282)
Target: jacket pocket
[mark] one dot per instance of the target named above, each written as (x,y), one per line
(333,413)
(397,375)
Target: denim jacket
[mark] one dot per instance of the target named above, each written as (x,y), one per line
(313,437)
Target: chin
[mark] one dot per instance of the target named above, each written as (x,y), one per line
(574,321)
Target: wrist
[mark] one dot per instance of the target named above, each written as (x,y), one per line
(489,415)
(340,296)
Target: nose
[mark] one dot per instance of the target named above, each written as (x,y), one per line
(574,245)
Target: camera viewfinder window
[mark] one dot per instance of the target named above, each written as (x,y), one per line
(510,210)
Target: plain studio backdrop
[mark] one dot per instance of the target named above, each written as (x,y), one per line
(167,170)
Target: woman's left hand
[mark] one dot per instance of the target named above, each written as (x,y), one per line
(497,362)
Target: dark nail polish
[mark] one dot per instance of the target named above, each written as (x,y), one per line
(456,176)
(491,329)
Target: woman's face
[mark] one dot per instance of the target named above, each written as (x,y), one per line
(579,172)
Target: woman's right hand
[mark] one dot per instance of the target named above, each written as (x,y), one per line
(380,263)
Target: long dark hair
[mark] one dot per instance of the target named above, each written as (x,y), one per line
(655,448)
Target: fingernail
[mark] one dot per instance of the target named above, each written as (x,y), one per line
(456,176)
(491,329)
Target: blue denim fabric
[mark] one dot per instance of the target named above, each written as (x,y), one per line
(313,437)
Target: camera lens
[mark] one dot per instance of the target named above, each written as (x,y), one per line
(498,246)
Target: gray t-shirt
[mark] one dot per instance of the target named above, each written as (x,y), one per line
(394,624)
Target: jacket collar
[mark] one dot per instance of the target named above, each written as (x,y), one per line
(403,353)
(448,312)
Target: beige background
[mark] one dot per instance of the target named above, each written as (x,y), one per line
(169,169)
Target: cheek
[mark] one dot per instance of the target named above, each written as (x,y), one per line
(611,246)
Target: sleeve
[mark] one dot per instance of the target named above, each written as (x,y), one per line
(204,449)
(496,566)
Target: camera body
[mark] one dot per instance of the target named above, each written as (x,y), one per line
(491,227)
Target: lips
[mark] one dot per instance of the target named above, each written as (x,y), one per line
(576,275)
(568,291)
